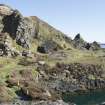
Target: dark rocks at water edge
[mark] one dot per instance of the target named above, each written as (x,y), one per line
(49,83)
(74,77)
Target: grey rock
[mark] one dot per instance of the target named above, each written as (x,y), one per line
(79,43)
(48,46)
(16,25)
(19,102)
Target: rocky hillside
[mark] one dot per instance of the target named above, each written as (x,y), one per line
(27,32)
(40,63)
(18,33)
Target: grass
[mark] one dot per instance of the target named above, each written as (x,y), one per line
(8,65)
(77,56)
(91,77)
(34,73)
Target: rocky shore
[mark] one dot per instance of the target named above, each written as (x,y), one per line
(38,63)
(19,102)
(51,83)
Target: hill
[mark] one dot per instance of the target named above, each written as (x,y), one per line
(39,62)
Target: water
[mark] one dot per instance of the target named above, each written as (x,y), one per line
(90,98)
(102,45)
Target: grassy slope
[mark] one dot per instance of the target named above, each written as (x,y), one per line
(47,32)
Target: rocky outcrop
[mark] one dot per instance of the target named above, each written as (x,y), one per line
(95,46)
(25,30)
(79,43)
(75,77)
(13,24)
(6,46)
(49,46)
(17,28)
(58,102)
(20,102)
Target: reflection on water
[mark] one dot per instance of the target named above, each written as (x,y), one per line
(90,98)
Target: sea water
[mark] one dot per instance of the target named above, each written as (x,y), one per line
(89,98)
(102,45)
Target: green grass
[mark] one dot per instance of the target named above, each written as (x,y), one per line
(8,65)
(77,56)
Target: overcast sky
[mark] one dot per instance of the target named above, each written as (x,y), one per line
(70,16)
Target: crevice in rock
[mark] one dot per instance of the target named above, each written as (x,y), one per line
(11,24)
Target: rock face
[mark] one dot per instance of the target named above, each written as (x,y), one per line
(15,25)
(79,43)
(5,45)
(25,30)
(31,33)
(48,46)
(19,102)
(95,46)
(75,77)
(58,102)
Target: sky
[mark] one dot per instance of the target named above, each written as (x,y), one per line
(86,17)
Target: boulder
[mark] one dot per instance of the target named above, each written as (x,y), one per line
(36,92)
(48,46)
(79,42)
(95,46)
